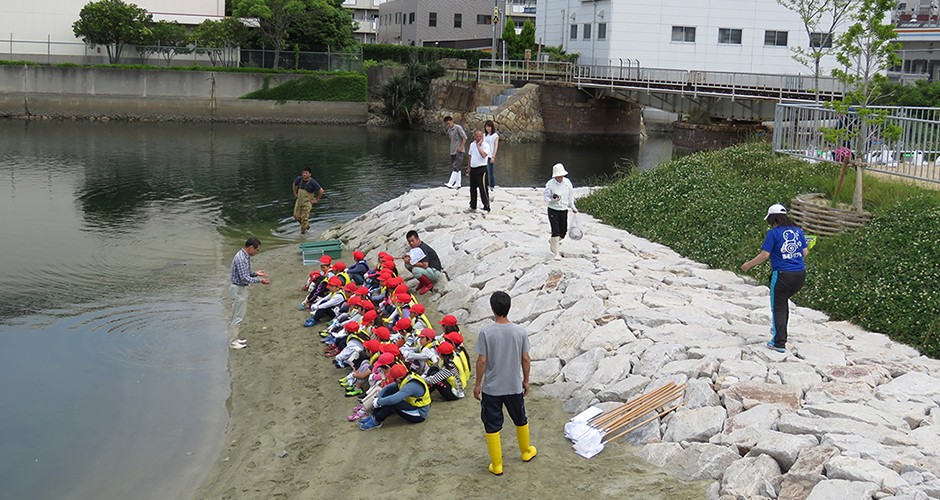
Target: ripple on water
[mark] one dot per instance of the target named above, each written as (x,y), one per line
(166,335)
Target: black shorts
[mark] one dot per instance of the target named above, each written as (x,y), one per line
(491,411)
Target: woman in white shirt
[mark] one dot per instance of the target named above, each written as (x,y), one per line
(492,138)
(559,194)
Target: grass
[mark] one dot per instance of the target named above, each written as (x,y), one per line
(710,207)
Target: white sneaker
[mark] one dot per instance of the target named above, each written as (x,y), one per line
(235,345)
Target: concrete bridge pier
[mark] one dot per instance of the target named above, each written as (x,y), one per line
(573,115)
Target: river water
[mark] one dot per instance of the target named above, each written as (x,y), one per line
(115,242)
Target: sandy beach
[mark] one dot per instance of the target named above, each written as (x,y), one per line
(289,437)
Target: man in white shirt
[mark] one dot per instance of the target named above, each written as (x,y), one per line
(479,152)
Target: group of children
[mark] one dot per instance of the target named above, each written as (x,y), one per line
(379,333)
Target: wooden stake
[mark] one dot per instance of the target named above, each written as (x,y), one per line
(637,426)
(639,411)
(607,416)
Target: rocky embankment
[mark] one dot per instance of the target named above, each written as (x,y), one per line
(843,414)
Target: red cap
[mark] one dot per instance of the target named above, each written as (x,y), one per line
(362,291)
(448,320)
(367,304)
(445,348)
(381,332)
(402,324)
(352,326)
(326,260)
(403,297)
(428,333)
(354,301)
(401,288)
(454,337)
(394,281)
(339,266)
(382,255)
(389,263)
(385,358)
(350,287)
(369,316)
(385,276)
(335,281)
(358,255)
(391,349)
(372,345)
(314,274)
(417,308)
(397,371)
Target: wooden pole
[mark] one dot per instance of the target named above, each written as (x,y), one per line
(637,426)
(645,408)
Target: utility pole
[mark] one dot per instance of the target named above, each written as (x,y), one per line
(495,27)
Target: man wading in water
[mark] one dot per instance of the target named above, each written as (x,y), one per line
(307,191)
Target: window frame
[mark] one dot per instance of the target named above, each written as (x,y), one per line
(775,42)
(432,19)
(726,36)
(822,40)
(458,21)
(573,32)
(602,31)
(687,33)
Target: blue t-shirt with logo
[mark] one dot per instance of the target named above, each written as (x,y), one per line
(785,245)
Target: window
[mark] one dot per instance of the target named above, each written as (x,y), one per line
(820,40)
(683,34)
(432,19)
(483,19)
(587,31)
(398,18)
(775,38)
(726,35)
(602,31)
(574,32)
(411,18)
(458,20)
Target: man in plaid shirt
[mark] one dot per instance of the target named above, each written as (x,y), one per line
(242,276)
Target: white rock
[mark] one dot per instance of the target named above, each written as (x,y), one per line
(839,392)
(817,354)
(838,489)
(799,375)
(860,469)
(613,334)
(544,371)
(625,390)
(782,447)
(659,454)
(862,413)
(581,368)
(656,357)
(796,424)
(695,425)
(928,439)
(610,370)
(701,461)
(699,393)
(862,446)
(562,340)
(872,375)
(743,370)
(908,386)
(750,477)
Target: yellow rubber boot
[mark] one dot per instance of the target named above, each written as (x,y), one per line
(496,453)
(528,451)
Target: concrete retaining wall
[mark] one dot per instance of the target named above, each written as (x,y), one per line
(570,115)
(123,93)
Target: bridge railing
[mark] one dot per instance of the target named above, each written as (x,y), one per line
(798,131)
(777,86)
(506,70)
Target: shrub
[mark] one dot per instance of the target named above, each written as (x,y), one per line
(403,54)
(710,206)
(350,87)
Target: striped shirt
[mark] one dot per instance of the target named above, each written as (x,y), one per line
(241,270)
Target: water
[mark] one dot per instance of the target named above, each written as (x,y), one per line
(115,247)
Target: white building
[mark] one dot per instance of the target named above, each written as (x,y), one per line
(752,36)
(366,13)
(30,30)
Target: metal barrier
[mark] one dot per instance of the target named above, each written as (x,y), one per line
(798,132)
(506,70)
(714,83)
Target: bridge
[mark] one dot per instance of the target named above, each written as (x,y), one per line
(733,96)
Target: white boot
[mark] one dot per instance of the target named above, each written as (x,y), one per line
(557,247)
(456,176)
(553,245)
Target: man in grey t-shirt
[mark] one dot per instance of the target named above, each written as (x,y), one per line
(503,349)
(458,137)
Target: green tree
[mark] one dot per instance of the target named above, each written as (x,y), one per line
(325,24)
(865,49)
(165,38)
(820,19)
(220,40)
(527,37)
(405,95)
(112,23)
(510,39)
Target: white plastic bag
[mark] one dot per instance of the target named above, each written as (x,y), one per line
(574,229)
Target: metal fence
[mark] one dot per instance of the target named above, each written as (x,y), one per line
(49,52)
(798,131)
(506,70)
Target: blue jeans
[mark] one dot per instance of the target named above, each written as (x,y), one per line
(490,180)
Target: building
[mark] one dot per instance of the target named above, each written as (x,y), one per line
(41,30)
(918,32)
(366,13)
(446,23)
(732,35)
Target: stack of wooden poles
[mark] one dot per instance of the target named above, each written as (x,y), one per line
(615,419)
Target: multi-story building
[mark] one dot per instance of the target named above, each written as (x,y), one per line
(918,32)
(366,13)
(729,35)
(446,23)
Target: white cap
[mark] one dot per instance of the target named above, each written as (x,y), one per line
(776,209)
(558,170)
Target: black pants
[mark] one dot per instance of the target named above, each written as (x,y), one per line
(558,219)
(491,411)
(783,285)
(478,183)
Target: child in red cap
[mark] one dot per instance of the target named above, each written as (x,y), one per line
(445,377)
(358,270)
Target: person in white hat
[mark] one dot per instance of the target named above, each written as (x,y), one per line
(785,246)
(559,194)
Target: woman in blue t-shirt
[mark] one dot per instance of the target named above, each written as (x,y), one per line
(786,247)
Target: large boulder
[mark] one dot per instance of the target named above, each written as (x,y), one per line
(860,469)
(659,454)
(695,425)
(702,461)
(750,477)
(750,394)
(908,386)
(782,447)
(840,489)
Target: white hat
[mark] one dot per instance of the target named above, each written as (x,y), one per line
(776,209)
(558,170)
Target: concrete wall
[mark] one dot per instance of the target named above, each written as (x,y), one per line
(121,93)
(570,115)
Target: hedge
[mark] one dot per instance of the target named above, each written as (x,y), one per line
(336,86)
(403,54)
